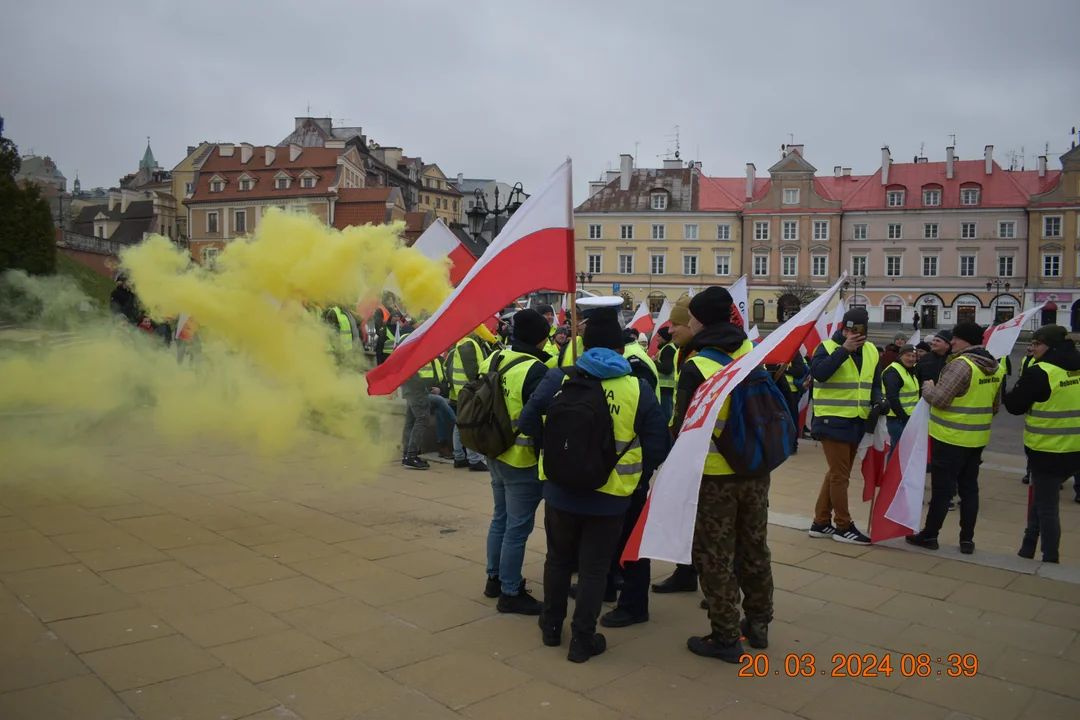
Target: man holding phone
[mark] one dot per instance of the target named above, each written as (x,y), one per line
(847,384)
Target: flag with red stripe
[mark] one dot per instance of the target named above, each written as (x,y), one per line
(898,508)
(642,320)
(663,320)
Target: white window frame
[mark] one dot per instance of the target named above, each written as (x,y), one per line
(972,194)
(726,259)
(974,265)
(1060,226)
(856,261)
(965,227)
(761,229)
(1010,233)
(188,188)
(626,232)
(690,231)
(209,256)
(930,231)
(1046,256)
(658,201)
(595,231)
(217,186)
(792,225)
(281,183)
(931,198)
(821,230)
(659,231)
(723,231)
(244,185)
(594,269)
(936,263)
(894,198)
(899,257)
(653,257)
(787,259)
(217,222)
(858,231)
(899,231)
(691,258)
(628,267)
(1012,264)
(237,215)
(822,260)
(308,183)
(765,264)
(791,196)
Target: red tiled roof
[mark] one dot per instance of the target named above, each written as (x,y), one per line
(999,189)
(721,194)
(371,194)
(359,213)
(321,161)
(838,188)
(1032,184)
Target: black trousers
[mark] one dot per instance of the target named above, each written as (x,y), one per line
(634,596)
(1043,517)
(953,470)
(590,541)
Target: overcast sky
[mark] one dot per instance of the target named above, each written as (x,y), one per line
(508,89)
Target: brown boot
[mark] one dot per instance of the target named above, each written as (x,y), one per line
(446,452)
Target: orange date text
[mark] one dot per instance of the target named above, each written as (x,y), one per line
(860,665)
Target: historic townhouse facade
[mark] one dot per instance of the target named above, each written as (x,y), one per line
(1054,248)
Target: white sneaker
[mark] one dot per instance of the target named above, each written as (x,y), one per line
(822,531)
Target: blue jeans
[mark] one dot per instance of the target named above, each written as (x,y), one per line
(445,417)
(667,403)
(463,453)
(517,493)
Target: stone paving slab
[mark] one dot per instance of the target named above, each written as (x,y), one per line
(203,582)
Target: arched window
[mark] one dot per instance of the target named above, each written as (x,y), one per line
(656,301)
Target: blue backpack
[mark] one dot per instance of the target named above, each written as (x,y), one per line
(759,435)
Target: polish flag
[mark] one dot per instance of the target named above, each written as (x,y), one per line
(823,330)
(916,338)
(663,319)
(873,449)
(534,251)
(898,508)
(185,328)
(753,334)
(806,413)
(665,530)
(439,243)
(999,340)
(642,320)
(739,304)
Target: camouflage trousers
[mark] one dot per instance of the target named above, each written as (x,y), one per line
(731,552)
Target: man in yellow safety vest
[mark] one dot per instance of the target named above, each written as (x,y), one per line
(901,389)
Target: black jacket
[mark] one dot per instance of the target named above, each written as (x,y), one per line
(1034,386)
(823,365)
(725,337)
(893,382)
(930,366)
(665,359)
(123,301)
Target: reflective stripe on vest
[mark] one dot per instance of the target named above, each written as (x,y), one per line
(553,354)
(636,350)
(715,464)
(909,390)
(344,327)
(566,357)
(623,394)
(388,346)
(667,382)
(455,368)
(1054,426)
(847,393)
(966,422)
(523,453)
(433,371)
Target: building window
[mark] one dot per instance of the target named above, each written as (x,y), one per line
(427,182)
(893,313)
(896,231)
(240,221)
(895,198)
(626,232)
(455,205)
(761,265)
(690,232)
(723,264)
(858,265)
(427,199)
(967,266)
(101,231)
(821,230)
(930,231)
(791,230)
(789,265)
(791,196)
(659,202)
(858,232)
(594,263)
(723,232)
(759,311)
(308,182)
(1006,229)
(819,265)
(929,265)
(594,232)
(217,186)
(211,222)
(761,231)
(931,198)
(245,184)
(689,264)
(894,265)
(626,264)
(967,230)
(659,232)
(1052,226)
(1005,265)
(209,256)
(1051,265)
(969,196)
(282,183)
(656,264)
(187,188)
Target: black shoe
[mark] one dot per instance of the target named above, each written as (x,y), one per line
(822,531)
(478,467)
(458,464)
(581,649)
(704,604)
(1052,560)
(967,547)
(711,647)
(415,462)
(1027,550)
(493,587)
(551,633)
(521,604)
(757,635)
(1077,499)
(610,593)
(679,581)
(1026,479)
(445,451)
(620,617)
(851,536)
(920,540)
(951,507)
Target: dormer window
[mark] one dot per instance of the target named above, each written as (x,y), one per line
(245,184)
(895,198)
(931,198)
(217,184)
(969,196)
(307,183)
(659,201)
(791,196)
(282,181)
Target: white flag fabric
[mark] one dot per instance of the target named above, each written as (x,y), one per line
(916,338)
(905,508)
(753,334)
(739,303)
(1000,339)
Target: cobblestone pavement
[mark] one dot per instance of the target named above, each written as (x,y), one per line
(207,583)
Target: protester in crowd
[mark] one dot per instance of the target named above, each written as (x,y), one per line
(915,321)
(124,302)
(789,378)
(901,389)
(665,369)
(550,347)
(462,366)
(388,337)
(641,365)
(584,527)
(562,336)
(962,405)
(1047,392)
(847,384)
(515,480)
(892,350)
(414,392)
(930,365)
(434,376)
(920,350)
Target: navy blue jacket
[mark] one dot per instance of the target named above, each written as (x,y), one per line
(822,367)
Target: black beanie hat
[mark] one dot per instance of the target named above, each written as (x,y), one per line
(530,327)
(945,335)
(923,346)
(1050,334)
(711,306)
(969,332)
(545,310)
(856,316)
(665,333)
(603,330)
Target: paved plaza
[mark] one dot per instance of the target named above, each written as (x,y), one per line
(204,583)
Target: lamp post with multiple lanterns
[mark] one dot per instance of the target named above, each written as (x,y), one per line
(481,210)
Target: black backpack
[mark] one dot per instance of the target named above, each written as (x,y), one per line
(579,435)
(482,417)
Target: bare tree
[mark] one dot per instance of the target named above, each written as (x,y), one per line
(801,291)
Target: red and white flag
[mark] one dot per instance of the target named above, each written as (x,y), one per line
(665,530)
(535,251)
(872,450)
(898,508)
(823,330)
(439,243)
(916,338)
(642,320)
(753,334)
(663,319)
(739,303)
(999,340)
(806,413)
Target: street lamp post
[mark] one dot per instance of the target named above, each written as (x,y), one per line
(997,285)
(855,283)
(480,211)
(582,277)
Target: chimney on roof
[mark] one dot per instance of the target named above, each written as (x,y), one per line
(460,178)
(847,172)
(886,161)
(921,159)
(837,171)
(989,152)
(294,152)
(750,170)
(1042,165)
(271,154)
(226,149)
(949,157)
(795,149)
(190,149)
(334,144)
(245,153)
(675,164)
(626,166)
(610,176)
(596,186)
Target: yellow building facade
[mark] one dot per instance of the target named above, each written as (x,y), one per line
(439,196)
(1054,243)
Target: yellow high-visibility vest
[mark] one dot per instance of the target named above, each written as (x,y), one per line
(715,464)
(523,453)
(847,393)
(667,382)
(966,422)
(1054,426)
(635,349)
(909,391)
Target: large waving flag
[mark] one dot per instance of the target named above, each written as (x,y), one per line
(898,509)
(663,319)
(642,320)
(999,340)
(665,530)
(872,450)
(823,329)
(438,242)
(535,251)
(916,337)
(740,303)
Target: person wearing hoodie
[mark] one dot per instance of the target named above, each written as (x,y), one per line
(585,528)
(962,406)
(515,482)
(1048,392)
(847,385)
(730,548)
